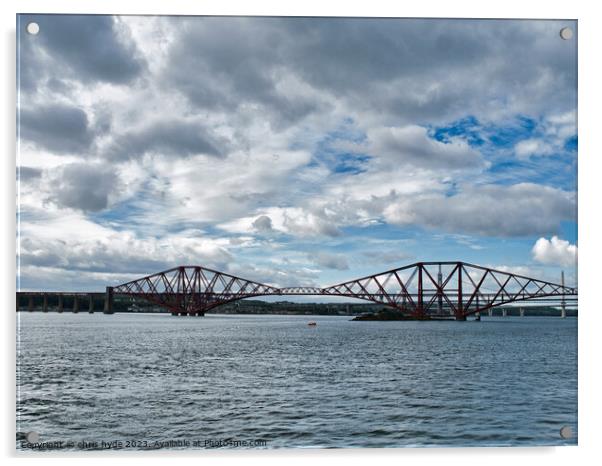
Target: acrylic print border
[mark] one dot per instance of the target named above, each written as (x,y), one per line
(501,151)
(195,290)
(560,15)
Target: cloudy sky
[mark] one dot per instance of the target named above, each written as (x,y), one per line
(293,151)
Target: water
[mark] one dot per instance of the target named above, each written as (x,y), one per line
(274,382)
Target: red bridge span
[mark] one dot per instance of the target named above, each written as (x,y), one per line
(417,290)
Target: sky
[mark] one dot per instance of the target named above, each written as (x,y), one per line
(292,151)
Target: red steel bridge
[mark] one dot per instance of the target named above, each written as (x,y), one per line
(418,290)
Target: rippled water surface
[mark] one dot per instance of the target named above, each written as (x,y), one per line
(274,382)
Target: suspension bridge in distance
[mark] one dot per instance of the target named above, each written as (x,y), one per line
(420,290)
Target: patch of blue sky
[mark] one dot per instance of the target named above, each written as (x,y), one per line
(120,216)
(331,152)
(557,171)
(569,231)
(486,136)
(522,127)
(132,214)
(570,145)
(382,231)
(467,128)
(497,143)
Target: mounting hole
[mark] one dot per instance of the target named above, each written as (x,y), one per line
(566,432)
(32,437)
(566,33)
(33,28)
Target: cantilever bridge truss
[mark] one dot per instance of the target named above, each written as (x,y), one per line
(421,289)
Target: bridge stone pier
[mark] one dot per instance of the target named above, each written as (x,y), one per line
(108,307)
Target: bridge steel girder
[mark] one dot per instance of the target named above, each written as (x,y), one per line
(419,290)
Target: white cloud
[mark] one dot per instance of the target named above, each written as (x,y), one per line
(330,261)
(555,251)
(552,135)
(528,147)
(293,221)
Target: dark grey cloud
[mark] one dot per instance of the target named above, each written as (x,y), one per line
(263,224)
(28,173)
(88,48)
(57,127)
(223,70)
(86,187)
(497,211)
(172,137)
(413,70)
(433,69)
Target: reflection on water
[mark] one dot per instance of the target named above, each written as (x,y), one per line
(275,382)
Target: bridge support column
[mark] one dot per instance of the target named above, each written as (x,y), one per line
(60,306)
(522,312)
(30,303)
(75,304)
(504,313)
(490,312)
(108,309)
(439,292)
(563,304)
(460,311)
(477,316)
(45,303)
(90,304)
